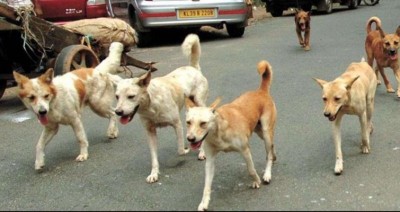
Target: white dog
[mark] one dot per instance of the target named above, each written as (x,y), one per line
(159,101)
(61,99)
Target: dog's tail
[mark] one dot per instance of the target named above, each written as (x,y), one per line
(191,48)
(265,70)
(378,25)
(112,62)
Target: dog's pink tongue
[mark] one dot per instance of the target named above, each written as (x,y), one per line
(124,120)
(43,119)
(195,146)
(393,57)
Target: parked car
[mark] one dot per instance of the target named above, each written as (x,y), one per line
(276,7)
(145,16)
(70,10)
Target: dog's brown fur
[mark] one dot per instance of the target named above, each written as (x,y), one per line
(351,93)
(302,21)
(229,127)
(383,48)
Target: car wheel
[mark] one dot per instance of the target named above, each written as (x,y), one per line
(275,11)
(328,6)
(3,86)
(235,31)
(371,2)
(353,4)
(144,37)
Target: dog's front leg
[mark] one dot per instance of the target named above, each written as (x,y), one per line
(307,40)
(47,134)
(152,139)
(338,145)
(250,167)
(209,172)
(112,131)
(396,71)
(80,134)
(365,148)
(389,87)
(300,37)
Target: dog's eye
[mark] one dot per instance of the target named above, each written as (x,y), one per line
(203,124)
(188,123)
(117,97)
(324,99)
(387,44)
(131,96)
(46,96)
(337,99)
(396,43)
(32,98)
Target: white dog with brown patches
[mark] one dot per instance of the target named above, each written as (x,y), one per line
(61,99)
(352,93)
(158,101)
(229,127)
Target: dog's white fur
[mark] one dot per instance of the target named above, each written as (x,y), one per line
(351,93)
(229,127)
(159,101)
(61,99)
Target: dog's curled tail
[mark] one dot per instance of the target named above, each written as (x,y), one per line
(265,70)
(191,48)
(112,62)
(378,25)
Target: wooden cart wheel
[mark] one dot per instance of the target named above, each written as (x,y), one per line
(3,86)
(74,57)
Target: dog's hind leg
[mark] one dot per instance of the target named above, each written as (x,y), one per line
(396,71)
(179,134)
(80,134)
(266,133)
(365,148)
(389,87)
(338,144)
(47,134)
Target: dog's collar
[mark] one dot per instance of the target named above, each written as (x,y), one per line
(204,137)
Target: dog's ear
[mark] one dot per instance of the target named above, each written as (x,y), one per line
(144,80)
(320,82)
(214,105)
(398,31)
(48,76)
(20,79)
(189,103)
(350,81)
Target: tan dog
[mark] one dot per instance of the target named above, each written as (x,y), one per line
(159,101)
(61,99)
(351,93)
(383,48)
(302,21)
(229,127)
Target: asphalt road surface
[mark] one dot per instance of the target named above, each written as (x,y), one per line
(114,176)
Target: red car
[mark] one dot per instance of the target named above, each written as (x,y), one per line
(70,10)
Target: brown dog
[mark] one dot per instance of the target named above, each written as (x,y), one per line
(302,20)
(351,93)
(383,48)
(229,127)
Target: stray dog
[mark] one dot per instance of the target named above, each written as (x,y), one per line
(61,99)
(160,100)
(351,93)
(302,21)
(383,48)
(229,127)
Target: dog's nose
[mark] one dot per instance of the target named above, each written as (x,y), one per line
(326,114)
(119,112)
(392,52)
(42,111)
(191,139)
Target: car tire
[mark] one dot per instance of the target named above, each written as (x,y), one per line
(329,6)
(235,31)
(144,38)
(276,11)
(353,4)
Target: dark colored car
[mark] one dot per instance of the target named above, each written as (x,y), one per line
(276,7)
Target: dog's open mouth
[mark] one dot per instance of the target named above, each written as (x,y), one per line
(43,119)
(393,55)
(125,119)
(303,27)
(197,144)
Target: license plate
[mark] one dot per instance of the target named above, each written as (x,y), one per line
(197,13)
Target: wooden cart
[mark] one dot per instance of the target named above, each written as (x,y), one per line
(31,45)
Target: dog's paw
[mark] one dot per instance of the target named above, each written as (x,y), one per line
(256,184)
(339,167)
(202,207)
(82,157)
(389,89)
(39,168)
(201,156)
(267,178)
(307,48)
(112,134)
(152,178)
(365,149)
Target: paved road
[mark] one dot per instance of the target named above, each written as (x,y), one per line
(303,179)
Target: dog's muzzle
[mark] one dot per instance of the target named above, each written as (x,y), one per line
(42,116)
(392,54)
(196,144)
(126,118)
(330,116)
